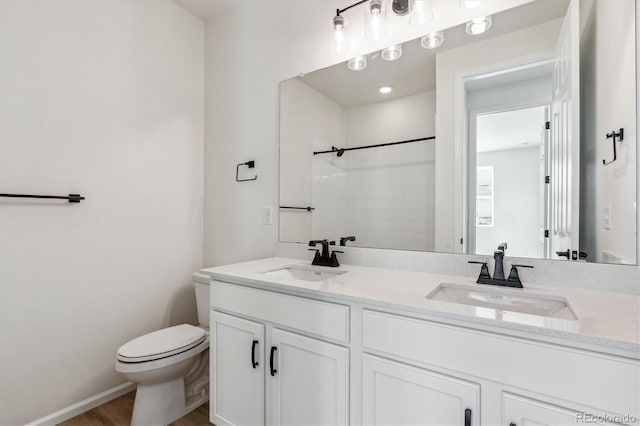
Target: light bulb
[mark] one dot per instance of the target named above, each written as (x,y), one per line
(432,40)
(339,42)
(392,53)
(421,12)
(358,63)
(479,25)
(385,90)
(469,4)
(375,20)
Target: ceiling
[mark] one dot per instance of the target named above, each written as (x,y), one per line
(204,9)
(516,129)
(415,70)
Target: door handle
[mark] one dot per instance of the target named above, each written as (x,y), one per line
(254,363)
(273,370)
(467,417)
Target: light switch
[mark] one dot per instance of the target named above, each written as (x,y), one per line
(268,216)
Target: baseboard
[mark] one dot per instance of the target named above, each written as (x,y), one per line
(84,405)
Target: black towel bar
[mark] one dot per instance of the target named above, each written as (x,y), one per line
(72,198)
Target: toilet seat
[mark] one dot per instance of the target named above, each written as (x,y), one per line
(161,344)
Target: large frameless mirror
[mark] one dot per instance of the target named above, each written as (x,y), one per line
(524,134)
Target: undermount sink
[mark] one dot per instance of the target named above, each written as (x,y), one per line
(303,273)
(504,301)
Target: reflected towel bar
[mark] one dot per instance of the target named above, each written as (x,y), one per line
(341,151)
(72,198)
(309,209)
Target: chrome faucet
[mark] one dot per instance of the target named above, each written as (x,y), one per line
(498,271)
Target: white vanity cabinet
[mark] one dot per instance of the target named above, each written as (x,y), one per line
(262,372)
(521,382)
(280,359)
(396,393)
(237,366)
(519,411)
(309,382)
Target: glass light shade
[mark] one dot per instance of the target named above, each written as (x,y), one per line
(375,17)
(432,40)
(421,12)
(358,63)
(469,4)
(392,53)
(339,42)
(479,25)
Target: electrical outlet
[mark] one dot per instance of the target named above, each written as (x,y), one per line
(606,217)
(267,215)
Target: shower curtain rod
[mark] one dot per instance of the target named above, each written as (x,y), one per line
(341,151)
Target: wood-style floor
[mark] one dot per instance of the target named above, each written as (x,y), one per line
(118,413)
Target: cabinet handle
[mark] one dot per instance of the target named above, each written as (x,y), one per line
(273,370)
(254,363)
(467,417)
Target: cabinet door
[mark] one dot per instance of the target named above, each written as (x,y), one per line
(309,381)
(237,375)
(520,411)
(398,394)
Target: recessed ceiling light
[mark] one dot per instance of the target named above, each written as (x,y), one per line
(385,89)
(479,25)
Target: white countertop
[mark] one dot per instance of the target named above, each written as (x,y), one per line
(607,321)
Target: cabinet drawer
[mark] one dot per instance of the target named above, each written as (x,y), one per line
(323,319)
(521,411)
(586,378)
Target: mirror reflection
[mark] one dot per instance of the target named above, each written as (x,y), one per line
(523,134)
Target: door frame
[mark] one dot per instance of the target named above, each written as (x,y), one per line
(459,237)
(472,158)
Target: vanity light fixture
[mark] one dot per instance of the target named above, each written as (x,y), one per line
(421,12)
(432,40)
(479,25)
(469,4)
(392,52)
(375,17)
(339,42)
(385,90)
(358,63)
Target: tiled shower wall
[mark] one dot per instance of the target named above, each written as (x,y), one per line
(384,196)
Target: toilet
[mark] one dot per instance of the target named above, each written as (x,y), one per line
(170,366)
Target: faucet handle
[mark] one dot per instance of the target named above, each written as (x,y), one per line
(484,271)
(514,277)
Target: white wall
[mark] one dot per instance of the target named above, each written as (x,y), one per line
(250,49)
(607,105)
(516,201)
(102,98)
(529,45)
(306,115)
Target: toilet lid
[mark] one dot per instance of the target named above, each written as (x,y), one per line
(161,343)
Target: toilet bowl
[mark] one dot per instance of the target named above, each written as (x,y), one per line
(170,367)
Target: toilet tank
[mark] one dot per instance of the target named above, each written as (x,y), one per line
(201,284)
